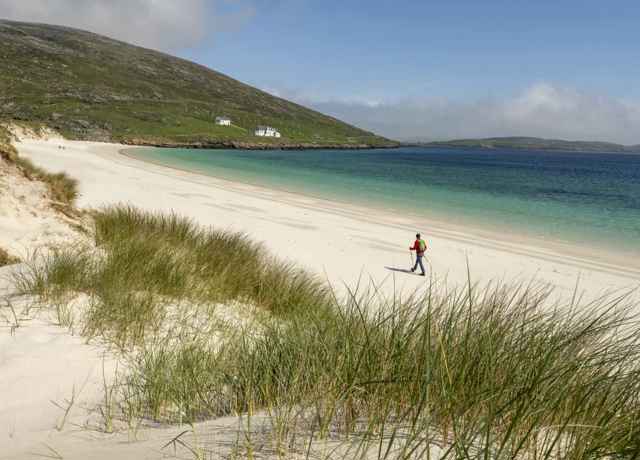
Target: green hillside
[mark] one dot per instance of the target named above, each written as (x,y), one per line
(535,143)
(91,87)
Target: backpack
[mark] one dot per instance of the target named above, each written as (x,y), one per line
(423,246)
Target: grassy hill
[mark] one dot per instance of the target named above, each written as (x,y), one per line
(91,87)
(535,143)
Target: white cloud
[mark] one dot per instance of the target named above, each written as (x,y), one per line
(160,24)
(542,110)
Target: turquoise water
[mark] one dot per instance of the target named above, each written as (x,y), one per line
(581,198)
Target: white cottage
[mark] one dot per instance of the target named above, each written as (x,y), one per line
(223,121)
(267,131)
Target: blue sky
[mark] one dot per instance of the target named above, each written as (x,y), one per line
(384,50)
(406,69)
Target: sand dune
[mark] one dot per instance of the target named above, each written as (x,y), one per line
(42,363)
(27,220)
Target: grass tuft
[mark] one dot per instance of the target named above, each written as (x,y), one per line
(63,189)
(143,263)
(7,259)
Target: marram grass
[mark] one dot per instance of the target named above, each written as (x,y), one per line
(6,258)
(480,372)
(142,262)
(63,189)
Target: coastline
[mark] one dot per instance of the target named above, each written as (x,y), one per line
(244,145)
(521,148)
(531,143)
(348,241)
(514,239)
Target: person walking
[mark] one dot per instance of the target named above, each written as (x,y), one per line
(420,246)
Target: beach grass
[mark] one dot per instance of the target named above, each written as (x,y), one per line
(7,151)
(63,189)
(6,258)
(477,376)
(143,262)
(489,371)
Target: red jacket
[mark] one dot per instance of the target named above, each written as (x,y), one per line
(419,246)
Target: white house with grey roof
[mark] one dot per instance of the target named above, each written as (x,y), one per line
(267,131)
(223,121)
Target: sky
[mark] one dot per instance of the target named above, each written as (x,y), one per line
(420,69)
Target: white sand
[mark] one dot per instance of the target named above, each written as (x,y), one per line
(342,242)
(27,221)
(41,362)
(41,365)
(45,369)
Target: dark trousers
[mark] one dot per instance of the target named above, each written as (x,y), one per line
(419,262)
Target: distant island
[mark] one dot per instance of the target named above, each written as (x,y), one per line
(533,143)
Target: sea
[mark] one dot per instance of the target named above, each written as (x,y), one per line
(583,199)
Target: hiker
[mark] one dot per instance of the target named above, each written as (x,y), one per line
(419,246)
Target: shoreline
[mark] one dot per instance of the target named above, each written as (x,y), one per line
(245,145)
(546,249)
(342,242)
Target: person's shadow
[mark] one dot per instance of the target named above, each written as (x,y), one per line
(402,270)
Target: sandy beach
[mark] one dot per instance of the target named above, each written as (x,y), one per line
(212,215)
(43,365)
(343,243)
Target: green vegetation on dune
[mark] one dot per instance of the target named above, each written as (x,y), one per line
(7,151)
(535,143)
(143,262)
(63,190)
(493,372)
(92,87)
(6,258)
